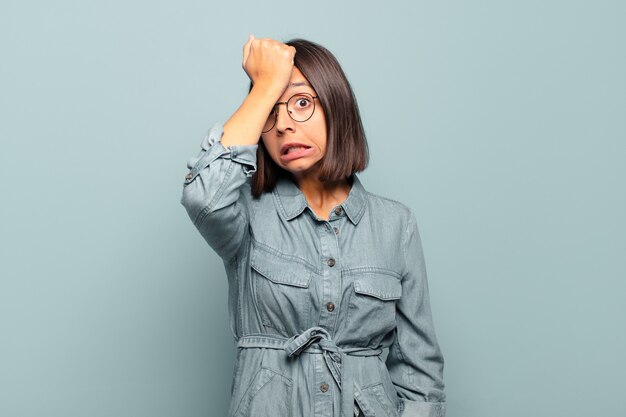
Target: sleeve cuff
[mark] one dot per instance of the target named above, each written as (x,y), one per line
(213,149)
(246,156)
(422,409)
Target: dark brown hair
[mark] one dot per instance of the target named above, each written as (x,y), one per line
(346,145)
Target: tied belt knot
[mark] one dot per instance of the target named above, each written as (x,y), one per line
(339,361)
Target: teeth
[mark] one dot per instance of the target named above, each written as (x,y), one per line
(294,148)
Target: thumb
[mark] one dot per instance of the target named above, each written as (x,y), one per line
(246,49)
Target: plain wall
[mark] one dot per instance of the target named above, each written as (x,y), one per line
(500,123)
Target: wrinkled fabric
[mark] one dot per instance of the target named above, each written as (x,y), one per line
(313,303)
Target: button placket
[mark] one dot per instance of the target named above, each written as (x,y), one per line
(323,402)
(330,272)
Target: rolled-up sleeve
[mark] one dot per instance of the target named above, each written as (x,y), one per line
(415,361)
(212,191)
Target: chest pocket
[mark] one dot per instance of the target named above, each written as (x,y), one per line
(373,300)
(281,284)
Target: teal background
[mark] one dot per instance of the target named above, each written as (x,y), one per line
(502,124)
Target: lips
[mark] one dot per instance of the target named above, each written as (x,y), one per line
(292,147)
(293,150)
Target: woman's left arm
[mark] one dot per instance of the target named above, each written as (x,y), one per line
(415,361)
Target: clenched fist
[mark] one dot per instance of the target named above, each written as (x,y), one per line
(268,62)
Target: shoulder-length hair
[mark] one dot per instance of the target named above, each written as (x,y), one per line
(346,145)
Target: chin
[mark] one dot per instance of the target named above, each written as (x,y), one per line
(297,172)
(300,170)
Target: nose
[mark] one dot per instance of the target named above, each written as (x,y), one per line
(283,120)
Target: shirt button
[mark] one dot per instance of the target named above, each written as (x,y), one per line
(331,262)
(330,306)
(324,387)
(336,230)
(338,211)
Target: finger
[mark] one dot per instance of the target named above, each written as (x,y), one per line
(248,42)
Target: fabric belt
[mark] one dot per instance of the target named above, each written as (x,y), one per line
(341,362)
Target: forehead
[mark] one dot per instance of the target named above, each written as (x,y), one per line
(298,80)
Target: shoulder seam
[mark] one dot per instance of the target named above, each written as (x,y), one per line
(400,203)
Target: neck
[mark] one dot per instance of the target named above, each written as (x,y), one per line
(324,193)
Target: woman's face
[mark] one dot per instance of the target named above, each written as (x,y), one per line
(297,147)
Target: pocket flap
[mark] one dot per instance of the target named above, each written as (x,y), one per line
(379,285)
(279,269)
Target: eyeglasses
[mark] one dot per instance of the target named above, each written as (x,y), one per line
(300,107)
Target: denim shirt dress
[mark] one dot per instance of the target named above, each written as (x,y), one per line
(313,302)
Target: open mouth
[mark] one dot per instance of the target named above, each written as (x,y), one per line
(294,148)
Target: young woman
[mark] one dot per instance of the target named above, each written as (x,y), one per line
(322,274)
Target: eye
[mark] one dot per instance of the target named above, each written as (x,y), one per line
(302,102)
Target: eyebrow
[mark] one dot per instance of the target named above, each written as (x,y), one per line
(299,84)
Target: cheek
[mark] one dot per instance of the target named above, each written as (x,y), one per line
(323,139)
(321,132)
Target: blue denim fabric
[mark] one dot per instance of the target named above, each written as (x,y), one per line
(298,354)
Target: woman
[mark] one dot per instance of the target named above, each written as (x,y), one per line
(322,274)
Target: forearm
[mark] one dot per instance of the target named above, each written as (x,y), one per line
(245,125)
(269,64)
(415,361)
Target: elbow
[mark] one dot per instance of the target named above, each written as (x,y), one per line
(195,202)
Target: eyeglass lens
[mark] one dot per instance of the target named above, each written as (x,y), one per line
(300,108)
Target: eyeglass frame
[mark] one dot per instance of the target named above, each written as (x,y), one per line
(288,113)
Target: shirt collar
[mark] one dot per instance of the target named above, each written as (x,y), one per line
(291,201)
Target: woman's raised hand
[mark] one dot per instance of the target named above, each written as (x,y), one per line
(268,62)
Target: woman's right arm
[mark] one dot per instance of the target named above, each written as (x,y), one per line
(211,192)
